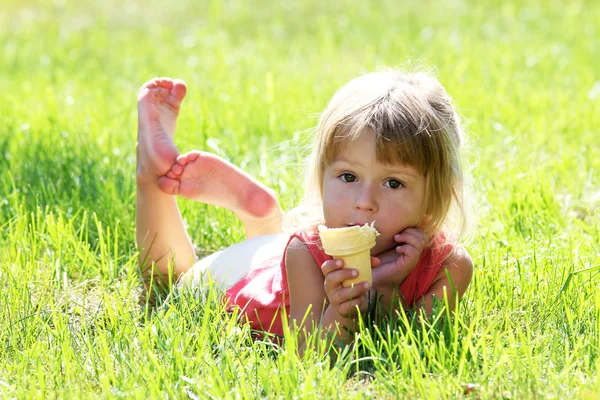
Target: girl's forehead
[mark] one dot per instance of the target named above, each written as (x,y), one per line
(364,138)
(360,156)
(368,145)
(386,151)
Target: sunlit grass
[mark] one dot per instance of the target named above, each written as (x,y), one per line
(74,318)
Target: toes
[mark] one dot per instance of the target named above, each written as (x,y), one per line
(194,155)
(162,88)
(168,185)
(151,84)
(158,83)
(172,175)
(177,169)
(147,89)
(160,93)
(166,83)
(183,160)
(179,89)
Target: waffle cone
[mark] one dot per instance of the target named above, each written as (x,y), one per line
(352,245)
(360,262)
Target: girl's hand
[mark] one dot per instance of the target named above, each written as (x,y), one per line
(347,301)
(396,264)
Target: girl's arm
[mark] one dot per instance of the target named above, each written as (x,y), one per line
(309,306)
(305,283)
(460,268)
(393,266)
(458,265)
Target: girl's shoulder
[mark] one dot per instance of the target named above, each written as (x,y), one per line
(441,245)
(454,259)
(309,237)
(444,250)
(460,261)
(305,244)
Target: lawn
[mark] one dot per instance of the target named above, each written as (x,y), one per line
(74,319)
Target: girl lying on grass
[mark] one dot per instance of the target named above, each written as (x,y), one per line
(386,149)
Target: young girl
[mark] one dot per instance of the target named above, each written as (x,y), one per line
(386,150)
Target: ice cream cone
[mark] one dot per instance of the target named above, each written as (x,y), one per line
(352,245)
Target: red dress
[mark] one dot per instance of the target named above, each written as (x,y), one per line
(263,295)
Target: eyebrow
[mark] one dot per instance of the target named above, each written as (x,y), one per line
(406,170)
(347,161)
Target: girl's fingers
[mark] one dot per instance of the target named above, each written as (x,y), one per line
(408,251)
(412,236)
(347,300)
(331,265)
(334,279)
(355,291)
(353,306)
(375,262)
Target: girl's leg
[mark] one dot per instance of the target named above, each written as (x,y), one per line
(160,233)
(207,178)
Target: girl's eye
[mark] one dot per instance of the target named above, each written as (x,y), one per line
(394,184)
(348,177)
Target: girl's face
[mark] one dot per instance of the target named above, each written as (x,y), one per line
(357,189)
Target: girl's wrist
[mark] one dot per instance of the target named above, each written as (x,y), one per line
(386,289)
(332,320)
(389,294)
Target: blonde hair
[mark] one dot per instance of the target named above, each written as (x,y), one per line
(415,123)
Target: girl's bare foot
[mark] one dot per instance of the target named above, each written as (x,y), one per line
(161,235)
(158,107)
(207,178)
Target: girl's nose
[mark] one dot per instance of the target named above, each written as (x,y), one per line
(366,199)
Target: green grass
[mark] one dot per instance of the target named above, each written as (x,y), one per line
(74,321)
